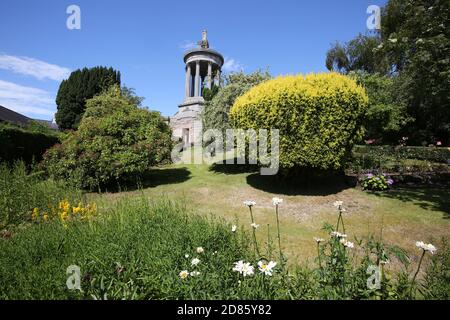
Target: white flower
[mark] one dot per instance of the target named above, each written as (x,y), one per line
(420,244)
(277,201)
(200,250)
(348,244)
(238,266)
(338,234)
(249,203)
(426,247)
(195,261)
(338,204)
(186,256)
(266,268)
(233,228)
(247,269)
(255,226)
(195,273)
(184,274)
(319,240)
(393,40)
(429,247)
(243,268)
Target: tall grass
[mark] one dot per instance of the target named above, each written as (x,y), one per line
(21,191)
(138,248)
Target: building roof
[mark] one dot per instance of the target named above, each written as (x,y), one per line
(12,116)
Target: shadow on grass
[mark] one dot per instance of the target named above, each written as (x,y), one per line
(314,186)
(233,168)
(428,198)
(153,178)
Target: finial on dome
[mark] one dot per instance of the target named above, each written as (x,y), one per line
(204,43)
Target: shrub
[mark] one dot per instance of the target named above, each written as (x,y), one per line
(116,142)
(377,182)
(25,143)
(21,192)
(319,117)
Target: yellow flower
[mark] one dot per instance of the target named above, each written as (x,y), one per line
(78,209)
(35,214)
(63,216)
(45,216)
(64,205)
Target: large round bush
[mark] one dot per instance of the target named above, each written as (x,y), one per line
(116,142)
(319,117)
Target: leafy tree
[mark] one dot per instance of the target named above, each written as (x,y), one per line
(360,53)
(130,95)
(116,142)
(209,94)
(416,39)
(386,117)
(413,48)
(216,111)
(80,86)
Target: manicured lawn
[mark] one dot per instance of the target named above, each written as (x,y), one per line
(401,216)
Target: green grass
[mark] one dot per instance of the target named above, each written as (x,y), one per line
(21,192)
(136,248)
(403,216)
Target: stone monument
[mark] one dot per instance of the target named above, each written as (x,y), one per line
(203,68)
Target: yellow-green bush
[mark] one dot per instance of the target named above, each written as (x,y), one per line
(319,117)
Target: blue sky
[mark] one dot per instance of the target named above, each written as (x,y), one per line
(145,40)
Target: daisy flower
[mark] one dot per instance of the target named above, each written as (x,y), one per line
(249,203)
(266,268)
(277,201)
(184,274)
(319,240)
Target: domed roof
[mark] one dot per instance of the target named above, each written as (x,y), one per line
(203,48)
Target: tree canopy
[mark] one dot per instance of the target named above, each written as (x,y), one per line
(81,85)
(413,49)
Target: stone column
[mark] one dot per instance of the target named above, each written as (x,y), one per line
(197,79)
(210,79)
(187,85)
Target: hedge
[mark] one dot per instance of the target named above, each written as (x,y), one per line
(17,143)
(432,154)
(318,116)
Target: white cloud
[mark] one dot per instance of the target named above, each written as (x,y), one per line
(32,67)
(26,100)
(231,65)
(188,45)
